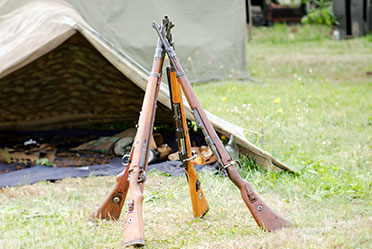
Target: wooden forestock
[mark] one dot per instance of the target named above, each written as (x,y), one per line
(199,202)
(263,215)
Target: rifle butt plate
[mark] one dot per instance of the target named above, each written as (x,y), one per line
(204,213)
(135,243)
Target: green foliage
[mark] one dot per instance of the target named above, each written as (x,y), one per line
(43,161)
(368,37)
(293,34)
(319,12)
(5,155)
(331,180)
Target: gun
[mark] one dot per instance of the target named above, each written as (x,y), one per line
(112,206)
(134,232)
(199,202)
(264,216)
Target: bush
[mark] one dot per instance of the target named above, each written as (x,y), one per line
(319,12)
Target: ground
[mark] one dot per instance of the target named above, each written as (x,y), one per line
(314,106)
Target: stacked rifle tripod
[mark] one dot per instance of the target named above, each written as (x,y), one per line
(134,176)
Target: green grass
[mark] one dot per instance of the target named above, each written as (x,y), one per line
(321,127)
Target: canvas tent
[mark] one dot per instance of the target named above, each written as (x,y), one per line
(210,35)
(58,72)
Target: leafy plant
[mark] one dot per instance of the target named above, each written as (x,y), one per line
(43,161)
(5,155)
(319,12)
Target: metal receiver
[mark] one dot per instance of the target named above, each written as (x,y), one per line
(167,47)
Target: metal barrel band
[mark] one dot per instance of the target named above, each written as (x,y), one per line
(233,164)
(189,158)
(179,73)
(157,75)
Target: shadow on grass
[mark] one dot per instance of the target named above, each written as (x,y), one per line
(250,167)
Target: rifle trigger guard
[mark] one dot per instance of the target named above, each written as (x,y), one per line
(125,160)
(240,166)
(142,177)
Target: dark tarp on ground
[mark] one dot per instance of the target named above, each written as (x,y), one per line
(44,173)
(63,141)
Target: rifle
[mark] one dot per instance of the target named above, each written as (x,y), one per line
(134,234)
(111,207)
(199,202)
(264,216)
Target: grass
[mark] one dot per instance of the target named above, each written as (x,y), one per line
(315,109)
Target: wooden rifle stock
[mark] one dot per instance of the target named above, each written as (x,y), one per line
(134,175)
(263,215)
(111,207)
(199,202)
(134,233)
(267,219)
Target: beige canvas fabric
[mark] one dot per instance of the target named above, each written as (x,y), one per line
(210,35)
(34,29)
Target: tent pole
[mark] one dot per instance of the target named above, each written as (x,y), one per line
(250,20)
